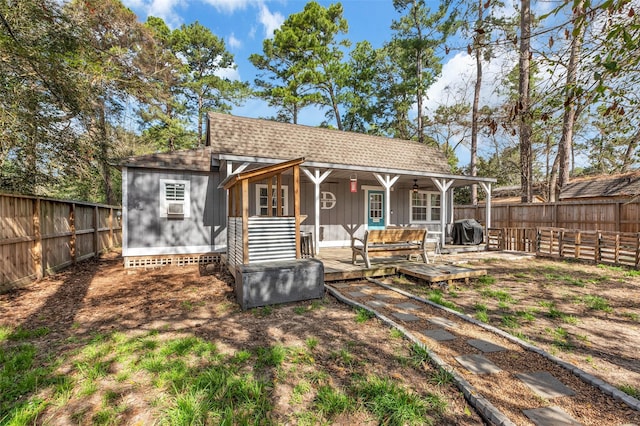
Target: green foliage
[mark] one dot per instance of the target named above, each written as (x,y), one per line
(330,402)
(363,315)
(630,390)
(393,405)
(436,296)
(597,303)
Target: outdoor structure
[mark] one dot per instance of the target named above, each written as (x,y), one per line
(185,203)
(624,186)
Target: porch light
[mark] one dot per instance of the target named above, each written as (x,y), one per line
(353,183)
(415,186)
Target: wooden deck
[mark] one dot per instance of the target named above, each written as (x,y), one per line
(338,266)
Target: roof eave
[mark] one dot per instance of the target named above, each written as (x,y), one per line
(356,168)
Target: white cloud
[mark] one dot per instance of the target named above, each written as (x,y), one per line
(234,42)
(229,73)
(164,9)
(229,6)
(270,21)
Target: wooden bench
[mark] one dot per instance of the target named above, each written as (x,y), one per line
(388,242)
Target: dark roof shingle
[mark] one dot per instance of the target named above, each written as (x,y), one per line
(615,186)
(270,139)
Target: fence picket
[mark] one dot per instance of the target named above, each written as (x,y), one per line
(42,235)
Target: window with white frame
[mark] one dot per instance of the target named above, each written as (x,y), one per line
(262,200)
(425,207)
(175,199)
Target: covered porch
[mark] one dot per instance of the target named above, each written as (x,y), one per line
(339,202)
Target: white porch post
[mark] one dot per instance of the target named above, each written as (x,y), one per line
(486,186)
(317,179)
(443,185)
(387,182)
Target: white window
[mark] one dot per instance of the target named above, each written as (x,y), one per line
(175,199)
(262,200)
(425,207)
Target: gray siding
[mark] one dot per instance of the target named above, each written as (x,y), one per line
(147,230)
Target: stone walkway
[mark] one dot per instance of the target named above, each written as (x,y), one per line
(507,380)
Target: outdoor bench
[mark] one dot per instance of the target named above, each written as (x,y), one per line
(390,242)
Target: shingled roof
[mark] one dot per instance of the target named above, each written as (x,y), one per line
(192,159)
(614,186)
(228,134)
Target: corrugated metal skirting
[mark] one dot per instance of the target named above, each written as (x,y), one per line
(272,238)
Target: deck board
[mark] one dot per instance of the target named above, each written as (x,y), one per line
(338,267)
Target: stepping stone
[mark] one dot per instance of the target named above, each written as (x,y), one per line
(408,306)
(382,296)
(340,285)
(545,385)
(438,334)
(551,416)
(377,304)
(484,346)
(405,317)
(477,364)
(443,322)
(357,294)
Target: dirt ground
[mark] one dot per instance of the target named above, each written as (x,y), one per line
(585,314)
(102,297)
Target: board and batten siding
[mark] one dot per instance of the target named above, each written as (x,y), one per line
(348,216)
(150,234)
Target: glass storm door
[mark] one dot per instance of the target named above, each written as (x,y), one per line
(375,216)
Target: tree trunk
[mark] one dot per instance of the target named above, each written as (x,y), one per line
(554,194)
(569,119)
(200,135)
(473,164)
(419,90)
(103,141)
(526,161)
(628,160)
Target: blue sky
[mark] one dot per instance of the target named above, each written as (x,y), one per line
(244,24)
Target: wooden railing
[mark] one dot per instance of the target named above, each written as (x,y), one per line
(616,248)
(39,236)
(513,239)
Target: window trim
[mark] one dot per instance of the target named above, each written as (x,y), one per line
(164,203)
(285,201)
(428,207)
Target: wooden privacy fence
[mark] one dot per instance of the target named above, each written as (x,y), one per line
(39,236)
(610,216)
(617,248)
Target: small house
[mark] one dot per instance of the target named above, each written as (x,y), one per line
(618,187)
(177,205)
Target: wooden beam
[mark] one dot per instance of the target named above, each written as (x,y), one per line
(38,261)
(270,198)
(72,227)
(96,230)
(263,172)
(296,205)
(279,193)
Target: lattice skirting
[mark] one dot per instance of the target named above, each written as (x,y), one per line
(172,260)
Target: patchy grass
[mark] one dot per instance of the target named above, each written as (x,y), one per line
(630,390)
(596,303)
(363,315)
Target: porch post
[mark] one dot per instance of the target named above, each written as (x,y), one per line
(317,179)
(387,182)
(486,186)
(443,185)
